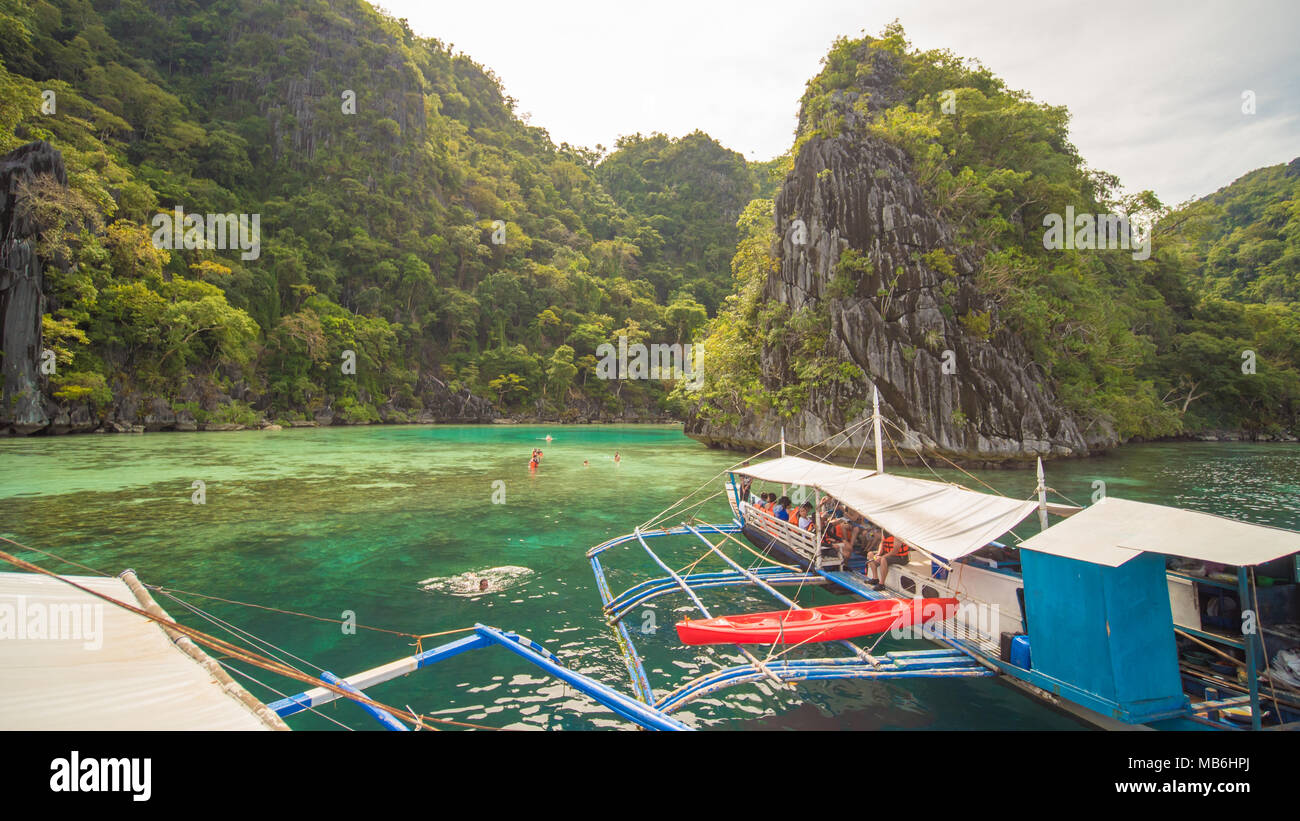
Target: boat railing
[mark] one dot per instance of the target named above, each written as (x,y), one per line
(733,495)
(803,541)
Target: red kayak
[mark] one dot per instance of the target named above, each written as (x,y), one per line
(830,623)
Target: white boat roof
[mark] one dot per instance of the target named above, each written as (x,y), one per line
(1112,531)
(795,470)
(135,679)
(941,519)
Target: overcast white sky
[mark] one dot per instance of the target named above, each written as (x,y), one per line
(1155,88)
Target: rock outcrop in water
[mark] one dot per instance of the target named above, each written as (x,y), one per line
(22,288)
(858,191)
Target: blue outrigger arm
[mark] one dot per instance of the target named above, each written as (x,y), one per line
(635,669)
(641,714)
(903,664)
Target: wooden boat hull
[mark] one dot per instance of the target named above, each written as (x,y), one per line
(830,623)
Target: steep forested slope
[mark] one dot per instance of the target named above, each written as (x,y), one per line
(406,215)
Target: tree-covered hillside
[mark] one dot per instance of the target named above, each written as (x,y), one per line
(407,215)
(1250,250)
(691,191)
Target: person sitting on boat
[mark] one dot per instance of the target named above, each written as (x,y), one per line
(865,536)
(892,551)
(782,509)
(806,516)
(828,507)
(839,535)
(769,502)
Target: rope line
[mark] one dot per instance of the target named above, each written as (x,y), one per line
(168,591)
(257,644)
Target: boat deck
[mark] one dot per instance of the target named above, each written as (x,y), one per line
(94,666)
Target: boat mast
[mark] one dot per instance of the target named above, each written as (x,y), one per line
(875,418)
(783,487)
(1042,497)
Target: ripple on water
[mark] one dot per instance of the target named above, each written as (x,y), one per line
(470,583)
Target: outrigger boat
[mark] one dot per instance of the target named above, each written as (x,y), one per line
(1121,613)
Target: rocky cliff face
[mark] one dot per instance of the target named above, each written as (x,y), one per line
(901,325)
(22,288)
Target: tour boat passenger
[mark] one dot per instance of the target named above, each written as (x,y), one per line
(782,509)
(806,516)
(891,551)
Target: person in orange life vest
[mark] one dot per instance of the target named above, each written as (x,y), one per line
(806,516)
(892,551)
(841,536)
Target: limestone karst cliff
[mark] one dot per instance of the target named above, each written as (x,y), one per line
(22,286)
(898,318)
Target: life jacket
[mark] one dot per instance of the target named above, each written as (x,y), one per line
(902,550)
(842,531)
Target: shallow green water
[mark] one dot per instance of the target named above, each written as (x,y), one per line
(398,524)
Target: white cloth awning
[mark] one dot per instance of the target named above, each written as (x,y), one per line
(942,519)
(70,661)
(1112,531)
(939,518)
(795,470)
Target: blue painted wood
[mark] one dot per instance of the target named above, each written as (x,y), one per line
(1102,636)
(640,682)
(631,709)
(384,717)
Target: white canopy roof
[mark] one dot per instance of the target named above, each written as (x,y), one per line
(70,661)
(939,518)
(795,470)
(942,519)
(1112,531)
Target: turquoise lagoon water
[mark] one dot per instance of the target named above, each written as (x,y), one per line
(398,524)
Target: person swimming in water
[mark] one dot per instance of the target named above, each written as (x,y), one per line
(535,460)
(617,458)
